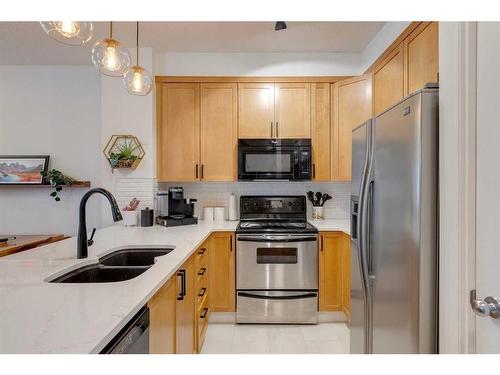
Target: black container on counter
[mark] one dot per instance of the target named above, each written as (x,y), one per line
(147,217)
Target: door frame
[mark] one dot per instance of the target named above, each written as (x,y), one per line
(457,190)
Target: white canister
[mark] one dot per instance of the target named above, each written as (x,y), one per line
(219,214)
(129,218)
(318,213)
(208,213)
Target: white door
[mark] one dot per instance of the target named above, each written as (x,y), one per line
(488,182)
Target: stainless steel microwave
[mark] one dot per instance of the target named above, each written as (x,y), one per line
(274,159)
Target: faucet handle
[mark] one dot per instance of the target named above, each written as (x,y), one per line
(90,242)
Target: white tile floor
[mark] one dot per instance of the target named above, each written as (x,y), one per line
(324,338)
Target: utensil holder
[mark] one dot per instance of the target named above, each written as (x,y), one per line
(318,213)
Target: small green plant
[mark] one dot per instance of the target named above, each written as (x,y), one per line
(125,154)
(57,179)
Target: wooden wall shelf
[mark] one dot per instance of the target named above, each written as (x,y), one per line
(76,185)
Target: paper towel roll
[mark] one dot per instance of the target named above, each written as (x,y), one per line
(219,214)
(233,215)
(208,213)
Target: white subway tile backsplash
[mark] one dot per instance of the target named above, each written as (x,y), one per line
(217,193)
(141,188)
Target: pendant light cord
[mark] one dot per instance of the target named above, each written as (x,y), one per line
(110,29)
(137,43)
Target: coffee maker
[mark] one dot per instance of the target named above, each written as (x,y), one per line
(180,209)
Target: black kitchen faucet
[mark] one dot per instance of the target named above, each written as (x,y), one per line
(82,244)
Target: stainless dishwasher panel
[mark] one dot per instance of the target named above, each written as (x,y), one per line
(282,307)
(277,261)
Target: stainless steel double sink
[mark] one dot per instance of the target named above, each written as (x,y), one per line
(119,265)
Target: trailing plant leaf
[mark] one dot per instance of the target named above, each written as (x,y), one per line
(57,179)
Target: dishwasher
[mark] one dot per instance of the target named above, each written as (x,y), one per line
(133,338)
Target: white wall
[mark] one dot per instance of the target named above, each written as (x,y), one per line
(122,113)
(52,110)
(258,64)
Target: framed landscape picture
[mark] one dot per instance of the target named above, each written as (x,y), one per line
(23,169)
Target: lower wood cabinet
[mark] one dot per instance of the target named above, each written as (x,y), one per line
(162,309)
(202,292)
(334,272)
(185,309)
(222,272)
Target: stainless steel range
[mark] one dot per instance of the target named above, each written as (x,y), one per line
(276,261)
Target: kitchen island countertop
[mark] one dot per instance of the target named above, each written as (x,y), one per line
(41,317)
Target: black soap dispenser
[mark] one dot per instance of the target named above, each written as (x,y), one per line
(147,217)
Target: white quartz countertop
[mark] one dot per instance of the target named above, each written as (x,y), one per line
(41,317)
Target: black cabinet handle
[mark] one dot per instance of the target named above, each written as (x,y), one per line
(182,274)
(314,170)
(271,129)
(231,244)
(202,251)
(202,292)
(202,168)
(204,313)
(321,243)
(201,272)
(277,136)
(196,170)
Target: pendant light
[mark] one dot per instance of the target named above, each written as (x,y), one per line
(73,33)
(110,57)
(137,80)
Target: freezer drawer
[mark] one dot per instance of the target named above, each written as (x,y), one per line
(285,307)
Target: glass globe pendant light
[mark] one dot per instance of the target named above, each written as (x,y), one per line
(73,33)
(137,80)
(110,57)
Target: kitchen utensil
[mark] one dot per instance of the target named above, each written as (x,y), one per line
(318,198)
(326,197)
(310,196)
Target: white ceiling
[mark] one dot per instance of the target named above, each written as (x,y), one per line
(25,43)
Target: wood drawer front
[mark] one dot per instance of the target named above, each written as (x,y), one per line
(202,314)
(201,257)
(201,277)
(201,292)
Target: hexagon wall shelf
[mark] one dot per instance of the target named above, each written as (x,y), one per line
(124,151)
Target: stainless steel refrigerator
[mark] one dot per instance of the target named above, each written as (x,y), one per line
(394,229)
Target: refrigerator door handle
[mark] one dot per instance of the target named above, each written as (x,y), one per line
(369,247)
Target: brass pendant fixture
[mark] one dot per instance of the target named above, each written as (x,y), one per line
(136,79)
(110,57)
(73,33)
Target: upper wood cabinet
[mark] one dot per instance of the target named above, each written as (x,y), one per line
(255,110)
(320,131)
(292,110)
(330,271)
(162,319)
(219,128)
(178,132)
(274,110)
(388,80)
(222,272)
(421,56)
(351,107)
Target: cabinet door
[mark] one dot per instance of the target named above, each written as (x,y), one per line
(185,310)
(255,110)
(346,274)
(421,56)
(330,271)
(222,274)
(162,319)
(218,131)
(178,132)
(292,110)
(388,81)
(320,130)
(351,107)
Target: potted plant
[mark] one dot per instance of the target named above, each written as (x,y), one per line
(124,151)
(57,180)
(130,213)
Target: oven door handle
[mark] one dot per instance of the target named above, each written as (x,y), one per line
(269,238)
(295,296)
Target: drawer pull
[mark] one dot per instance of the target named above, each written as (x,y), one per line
(204,313)
(202,292)
(202,251)
(201,272)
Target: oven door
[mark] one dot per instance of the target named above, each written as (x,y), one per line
(265,261)
(267,163)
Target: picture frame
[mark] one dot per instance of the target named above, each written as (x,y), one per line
(23,169)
